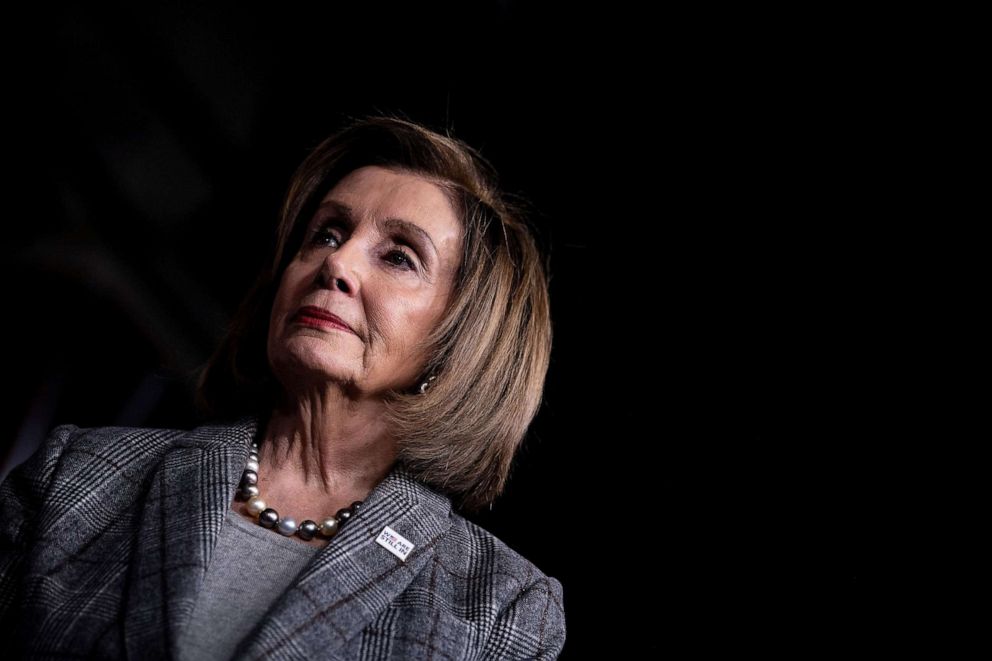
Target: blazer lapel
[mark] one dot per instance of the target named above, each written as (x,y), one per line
(187,500)
(354,578)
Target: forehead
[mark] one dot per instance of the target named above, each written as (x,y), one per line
(375,193)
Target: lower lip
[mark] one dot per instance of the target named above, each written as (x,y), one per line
(317,322)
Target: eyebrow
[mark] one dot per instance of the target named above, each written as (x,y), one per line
(394,223)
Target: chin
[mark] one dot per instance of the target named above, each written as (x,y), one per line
(307,364)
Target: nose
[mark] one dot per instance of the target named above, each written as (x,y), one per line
(333,276)
(336,271)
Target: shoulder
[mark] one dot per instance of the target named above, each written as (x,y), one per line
(73,448)
(70,463)
(525,605)
(480,552)
(114,452)
(478,588)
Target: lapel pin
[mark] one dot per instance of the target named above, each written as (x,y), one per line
(396,543)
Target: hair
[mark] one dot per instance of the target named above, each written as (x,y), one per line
(490,352)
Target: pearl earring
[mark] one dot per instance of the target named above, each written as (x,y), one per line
(427,383)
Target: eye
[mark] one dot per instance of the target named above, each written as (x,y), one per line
(322,236)
(403,258)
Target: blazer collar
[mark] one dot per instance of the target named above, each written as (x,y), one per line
(348,582)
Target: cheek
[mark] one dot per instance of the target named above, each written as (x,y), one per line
(412,321)
(279,304)
(289,291)
(284,303)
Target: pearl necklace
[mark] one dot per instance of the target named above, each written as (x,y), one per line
(269,518)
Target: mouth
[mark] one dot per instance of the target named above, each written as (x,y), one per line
(319,318)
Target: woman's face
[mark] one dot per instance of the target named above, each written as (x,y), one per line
(381,254)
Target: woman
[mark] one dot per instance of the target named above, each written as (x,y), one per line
(380,373)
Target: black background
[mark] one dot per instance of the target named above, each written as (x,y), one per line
(692,478)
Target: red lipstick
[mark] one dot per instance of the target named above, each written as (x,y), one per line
(320,318)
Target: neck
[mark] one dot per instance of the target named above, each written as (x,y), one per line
(325,449)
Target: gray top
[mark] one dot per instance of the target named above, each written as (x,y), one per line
(249,569)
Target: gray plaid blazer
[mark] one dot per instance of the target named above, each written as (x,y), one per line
(106,532)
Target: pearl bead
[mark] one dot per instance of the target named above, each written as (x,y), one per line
(268,518)
(343,515)
(247,492)
(287,526)
(252,465)
(354,506)
(256,506)
(253,456)
(249,477)
(308,529)
(329,527)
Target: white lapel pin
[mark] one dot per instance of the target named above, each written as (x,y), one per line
(396,543)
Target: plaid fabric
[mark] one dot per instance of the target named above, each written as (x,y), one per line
(105,534)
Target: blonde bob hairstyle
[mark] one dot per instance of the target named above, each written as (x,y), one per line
(489,354)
